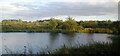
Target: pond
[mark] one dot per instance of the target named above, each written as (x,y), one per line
(48,41)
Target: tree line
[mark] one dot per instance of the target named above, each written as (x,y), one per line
(57,25)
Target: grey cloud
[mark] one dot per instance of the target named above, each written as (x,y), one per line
(66,8)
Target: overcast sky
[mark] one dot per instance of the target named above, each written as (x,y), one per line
(44,9)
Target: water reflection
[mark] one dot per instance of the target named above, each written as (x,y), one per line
(70,35)
(90,38)
(53,39)
(69,38)
(36,41)
(53,36)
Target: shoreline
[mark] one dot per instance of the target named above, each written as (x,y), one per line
(56,32)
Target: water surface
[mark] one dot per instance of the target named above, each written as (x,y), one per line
(44,41)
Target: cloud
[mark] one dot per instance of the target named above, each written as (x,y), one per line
(59,1)
(9,7)
(67,8)
(50,9)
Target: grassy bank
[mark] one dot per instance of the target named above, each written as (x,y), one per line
(81,30)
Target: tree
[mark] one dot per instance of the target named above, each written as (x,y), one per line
(53,24)
(59,24)
(70,24)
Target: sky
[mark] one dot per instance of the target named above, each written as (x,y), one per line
(44,9)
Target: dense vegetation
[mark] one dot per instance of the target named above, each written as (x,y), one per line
(56,25)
